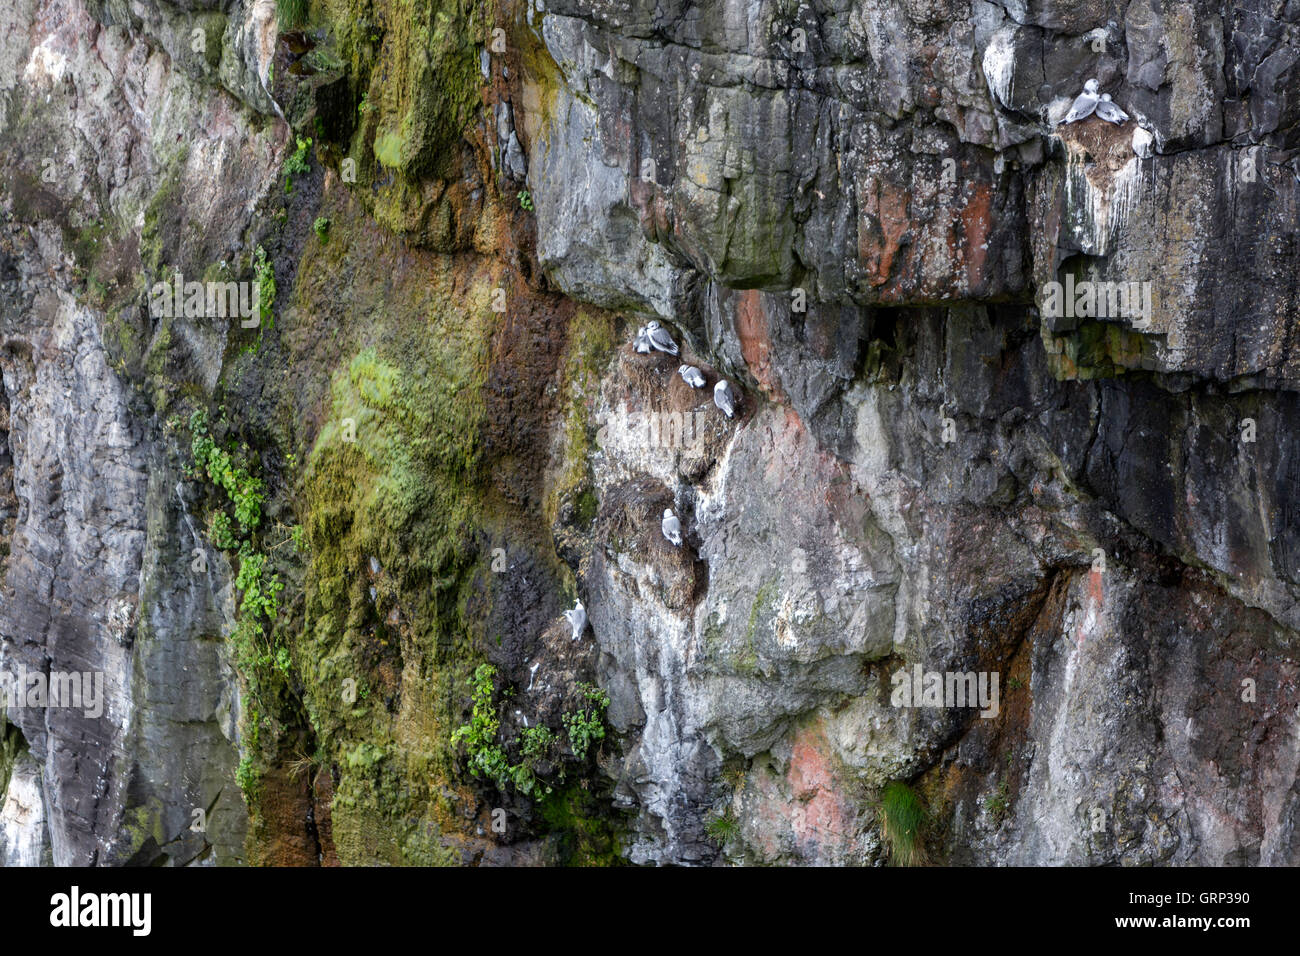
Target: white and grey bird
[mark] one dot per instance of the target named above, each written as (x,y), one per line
(1110,112)
(724,398)
(691,376)
(660,338)
(1084,104)
(577,617)
(672,528)
(642,341)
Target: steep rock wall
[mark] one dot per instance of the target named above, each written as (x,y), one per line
(852,211)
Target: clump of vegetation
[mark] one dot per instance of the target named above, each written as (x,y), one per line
(322,228)
(525,200)
(297,164)
(241,487)
(586,725)
(257,655)
(265,286)
(291,14)
(998,803)
(901,819)
(486,756)
(536,742)
(248,778)
(722,827)
(220,532)
(489,758)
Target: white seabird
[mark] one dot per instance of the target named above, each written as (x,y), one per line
(691,376)
(724,398)
(1084,104)
(1111,113)
(642,341)
(577,616)
(672,528)
(660,338)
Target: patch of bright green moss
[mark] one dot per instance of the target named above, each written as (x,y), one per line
(591,343)
(161,216)
(408,491)
(579,824)
(415,63)
(1097,350)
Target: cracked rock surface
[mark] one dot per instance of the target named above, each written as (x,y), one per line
(865,217)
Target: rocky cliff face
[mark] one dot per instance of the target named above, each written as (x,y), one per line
(302,544)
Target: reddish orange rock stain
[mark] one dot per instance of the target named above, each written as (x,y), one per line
(756,342)
(977,220)
(819,817)
(881,227)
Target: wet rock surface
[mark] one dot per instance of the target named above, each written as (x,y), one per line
(863,216)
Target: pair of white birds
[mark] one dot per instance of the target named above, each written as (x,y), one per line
(1089,102)
(652,336)
(577,615)
(672,529)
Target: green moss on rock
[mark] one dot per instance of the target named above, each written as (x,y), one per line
(393,501)
(581,828)
(416,68)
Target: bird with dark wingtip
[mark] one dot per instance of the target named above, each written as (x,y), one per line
(660,338)
(1084,105)
(725,398)
(577,617)
(691,375)
(1107,110)
(672,528)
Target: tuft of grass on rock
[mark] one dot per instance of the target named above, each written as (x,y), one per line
(902,818)
(291,14)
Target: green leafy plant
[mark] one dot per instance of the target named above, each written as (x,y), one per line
(525,200)
(298,163)
(322,228)
(479,736)
(243,490)
(260,598)
(248,778)
(902,818)
(265,271)
(586,725)
(536,742)
(257,657)
(221,533)
(488,757)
